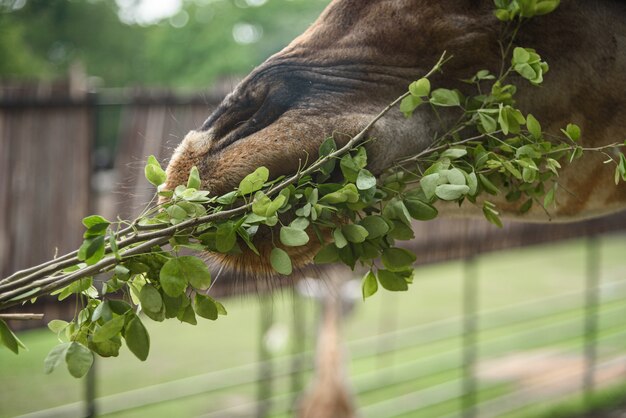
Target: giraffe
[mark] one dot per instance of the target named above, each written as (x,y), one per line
(359,55)
(356,58)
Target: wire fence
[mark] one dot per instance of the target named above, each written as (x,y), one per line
(498,362)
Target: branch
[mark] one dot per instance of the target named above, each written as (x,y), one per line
(44,278)
(21,316)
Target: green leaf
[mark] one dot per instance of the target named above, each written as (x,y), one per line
(150,299)
(78,286)
(526,71)
(420,210)
(365,180)
(534,127)
(276,204)
(409,104)
(455,176)
(109,329)
(93,220)
(9,339)
(173,305)
(293,237)
(572,131)
(178,272)
(118,306)
(103,310)
(205,307)
(349,168)
(549,197)
(326,148)
(398,259)
(520,55)
(57,325)
(472,183)
(188,315)
(226,237)
(246,236)
(114,248)
(300,223)
(280,261)
(360,158)
(340,239)
(176,212)
(401,231)
(526,206)
(79,359)
(254,181)
(492,215)
(137,338)
(347,193)
(153,172)
(260,204)
(108,348)
(445,97)
(420,88)
(395,209)
(451,191)
(369,286)
(503,15)
(193,182)
(488,123)
(488,185)
(55,357)
(484,75)
(354,233)
(454,153)
(228,198)
(96,225)
(546,6)
(327,254)
(429,184)
(92,250)
(172,279)
(529,175)
(392,281)
(375,226)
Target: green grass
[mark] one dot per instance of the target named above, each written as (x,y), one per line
(410,360)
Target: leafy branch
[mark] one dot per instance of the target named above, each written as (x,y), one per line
(40,280)
(492,147)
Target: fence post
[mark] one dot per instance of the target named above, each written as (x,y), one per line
(470,351)
(592,296)
(264,386)
(385,352)
(90,392)
(298,348)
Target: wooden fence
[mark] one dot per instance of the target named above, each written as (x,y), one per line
(46,137)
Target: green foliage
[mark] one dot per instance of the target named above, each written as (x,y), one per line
(9,339)
(511,9)
(280,261)
(129,54)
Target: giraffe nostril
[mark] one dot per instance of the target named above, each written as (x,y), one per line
(256,103)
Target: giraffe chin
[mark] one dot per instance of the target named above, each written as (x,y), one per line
(247,266)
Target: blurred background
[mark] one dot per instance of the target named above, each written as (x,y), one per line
(527,321)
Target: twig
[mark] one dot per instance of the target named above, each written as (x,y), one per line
(21,316)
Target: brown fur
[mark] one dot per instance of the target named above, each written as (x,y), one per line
(361,54)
